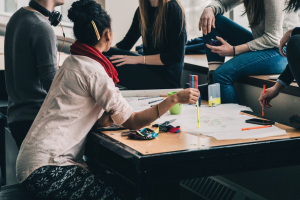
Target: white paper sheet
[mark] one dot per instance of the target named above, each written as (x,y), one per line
(222,122)
(139,105)
(256,133)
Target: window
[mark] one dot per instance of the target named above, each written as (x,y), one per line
(10,6)
(193,10)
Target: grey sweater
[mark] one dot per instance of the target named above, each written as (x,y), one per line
(271,29)
(30,50)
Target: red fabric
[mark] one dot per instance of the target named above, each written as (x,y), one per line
(78,48)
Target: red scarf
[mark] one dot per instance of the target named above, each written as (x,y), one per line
(78,48)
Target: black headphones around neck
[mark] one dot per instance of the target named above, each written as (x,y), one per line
(54,17)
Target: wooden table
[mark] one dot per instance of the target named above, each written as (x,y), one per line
(172,157)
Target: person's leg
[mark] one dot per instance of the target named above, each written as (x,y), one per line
(19,130)
(72,182)
(252,63)
(141,77)
(233,33)
(135,77)
(293,54)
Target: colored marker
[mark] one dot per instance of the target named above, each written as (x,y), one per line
(263,108)
(196,82)
(257,127)
(139,132)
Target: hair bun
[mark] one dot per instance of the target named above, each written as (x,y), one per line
(82,11)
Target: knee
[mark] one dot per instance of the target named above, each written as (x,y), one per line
(220,19)
(293,46)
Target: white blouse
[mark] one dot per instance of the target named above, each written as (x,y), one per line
(80,93)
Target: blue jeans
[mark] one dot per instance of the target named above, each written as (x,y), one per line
(268,61)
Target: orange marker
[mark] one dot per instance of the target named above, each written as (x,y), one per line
(257,127)
(263,108)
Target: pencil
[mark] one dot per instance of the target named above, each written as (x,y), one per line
(257,127)
(198,114)
(155,101)
(263,108)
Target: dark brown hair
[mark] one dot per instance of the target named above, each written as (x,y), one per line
(160,27)
(292,5)
(256,10)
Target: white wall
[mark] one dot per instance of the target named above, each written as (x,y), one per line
(238,18)
(121,13)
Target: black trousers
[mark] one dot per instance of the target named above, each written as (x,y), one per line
(19,130)
(293,54)
(138,77)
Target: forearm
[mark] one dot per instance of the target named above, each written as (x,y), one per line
(153,60)
(240,49)
(278,86)
(150,60)
(146,117)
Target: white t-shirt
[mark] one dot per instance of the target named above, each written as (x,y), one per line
(81,91)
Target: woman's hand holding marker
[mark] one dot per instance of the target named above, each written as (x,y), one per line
(270,94)
(224,50)
(187,96)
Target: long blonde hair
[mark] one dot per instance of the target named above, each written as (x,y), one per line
(159,31)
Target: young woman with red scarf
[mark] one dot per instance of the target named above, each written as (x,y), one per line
(83,94)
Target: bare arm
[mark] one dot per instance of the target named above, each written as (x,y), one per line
(146,117)
(243,48)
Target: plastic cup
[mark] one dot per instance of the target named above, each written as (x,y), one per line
(176,109)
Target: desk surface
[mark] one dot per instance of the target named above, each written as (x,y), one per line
(169,142)
(173,157)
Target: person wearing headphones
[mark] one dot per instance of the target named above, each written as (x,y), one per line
(30,52)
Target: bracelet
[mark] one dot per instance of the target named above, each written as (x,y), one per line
(233,50)
(213,8)
(144,60)
(158,111)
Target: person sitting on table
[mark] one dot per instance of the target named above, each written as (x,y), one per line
(290,40)
(83,94)
(256,52)
(161,23)
(30,65)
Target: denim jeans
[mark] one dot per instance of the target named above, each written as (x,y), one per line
(268,61)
